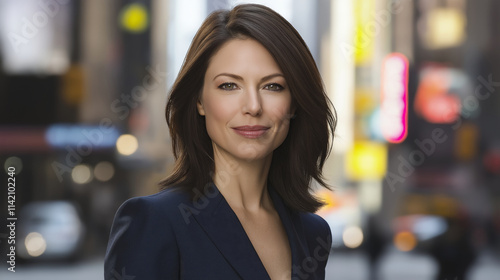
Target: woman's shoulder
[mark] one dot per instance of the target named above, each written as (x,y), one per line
(163,202)
(316,228)
(166,197)
(314,221)
(142,228)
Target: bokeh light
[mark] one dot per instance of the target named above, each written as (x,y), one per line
(81,174)
(15,162)
(352,237)
(127,144)
(104,171)
(134,18)
(405,241)
(35,244)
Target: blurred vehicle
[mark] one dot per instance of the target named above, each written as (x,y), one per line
(343,214)
(437,224)
(50,230)
(417,231)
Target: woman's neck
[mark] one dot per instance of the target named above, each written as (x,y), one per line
(243,183)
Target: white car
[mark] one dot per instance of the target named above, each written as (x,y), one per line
(49,230)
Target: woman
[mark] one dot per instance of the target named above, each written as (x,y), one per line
(250,126)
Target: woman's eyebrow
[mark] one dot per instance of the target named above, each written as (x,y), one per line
(230,75)
(268,77)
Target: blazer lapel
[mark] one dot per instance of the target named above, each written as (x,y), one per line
(226,232)
(294,229)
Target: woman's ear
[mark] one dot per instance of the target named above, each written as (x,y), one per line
(293,112)
(201,110)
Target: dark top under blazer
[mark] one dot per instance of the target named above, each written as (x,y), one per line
(169,236)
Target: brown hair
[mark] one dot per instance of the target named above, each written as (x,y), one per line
(301,156)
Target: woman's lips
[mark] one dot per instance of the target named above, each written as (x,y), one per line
(251,131)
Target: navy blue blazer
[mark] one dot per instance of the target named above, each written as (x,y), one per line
(169,236)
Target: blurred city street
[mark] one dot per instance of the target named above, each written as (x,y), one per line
(415,164)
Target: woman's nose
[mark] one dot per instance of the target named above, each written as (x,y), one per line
(252,104)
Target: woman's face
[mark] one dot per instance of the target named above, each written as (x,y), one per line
(245,100)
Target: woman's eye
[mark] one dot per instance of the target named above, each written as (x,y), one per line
(274,87)
(228,86)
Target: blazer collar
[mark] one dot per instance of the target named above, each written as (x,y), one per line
(294,230)
(222,226)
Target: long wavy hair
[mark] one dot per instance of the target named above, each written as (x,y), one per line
(300,158)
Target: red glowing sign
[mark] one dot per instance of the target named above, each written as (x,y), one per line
(394,98)
(437,99)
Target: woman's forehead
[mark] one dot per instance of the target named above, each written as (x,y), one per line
(242,56)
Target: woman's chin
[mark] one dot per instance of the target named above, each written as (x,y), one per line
(253,155)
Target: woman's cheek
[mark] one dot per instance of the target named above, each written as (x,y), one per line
(216,116)
(281,114)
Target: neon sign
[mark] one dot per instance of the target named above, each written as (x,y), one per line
(394,98)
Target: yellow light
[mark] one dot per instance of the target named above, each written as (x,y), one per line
(364,101)
(35,244)
(466,146)
(444,206)
(445,28)
(127,144)
(134,18)
(367,160)
(104,171)
(73,85)
(352,237)
(329,199)
(81,174)
(405,241)
(366,30)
